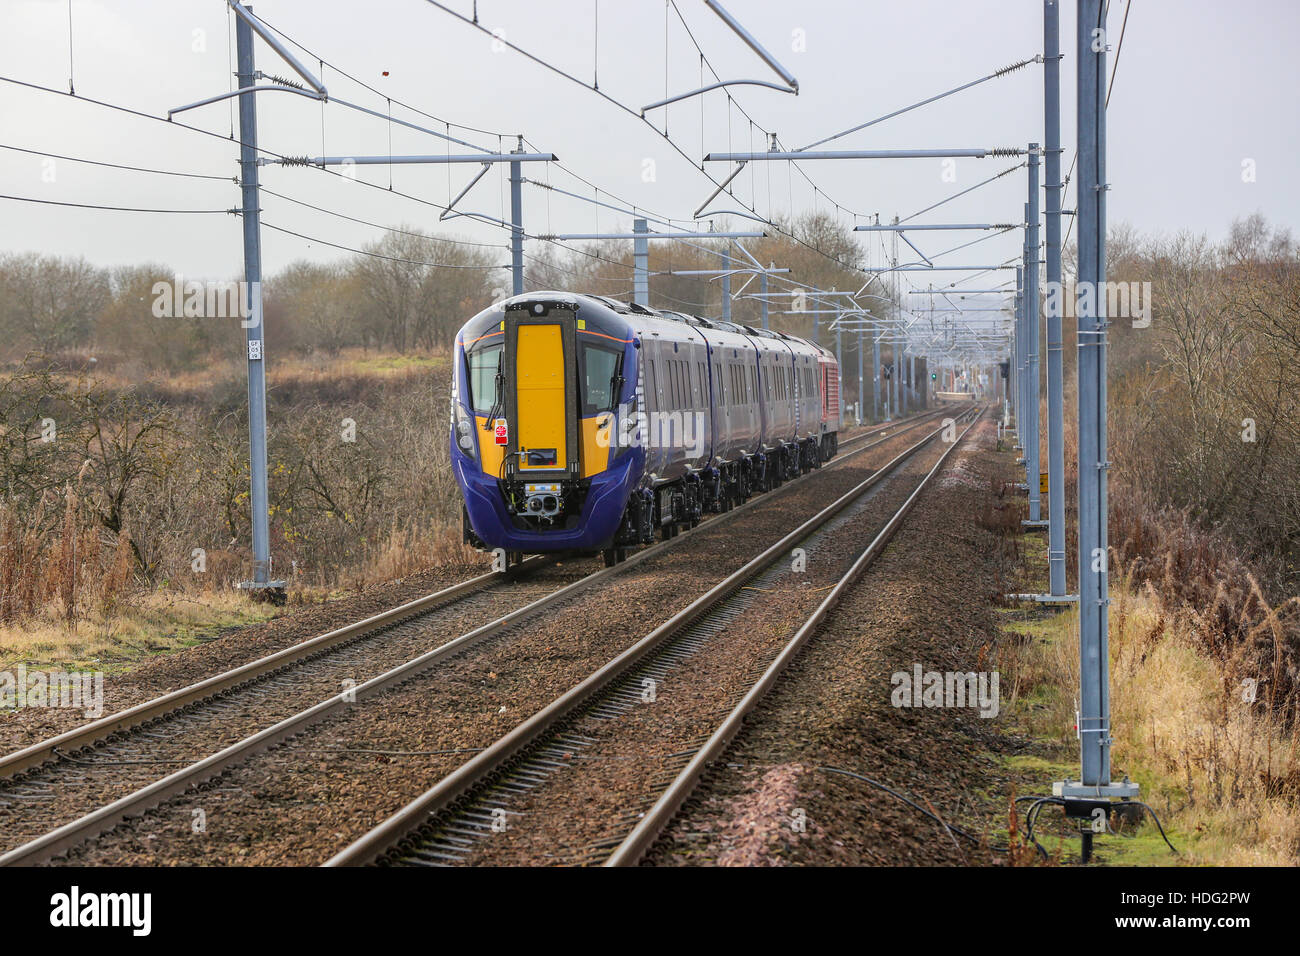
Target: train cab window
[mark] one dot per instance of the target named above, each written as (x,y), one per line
(599,366)
(484,364)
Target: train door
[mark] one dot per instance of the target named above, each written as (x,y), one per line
(540,423)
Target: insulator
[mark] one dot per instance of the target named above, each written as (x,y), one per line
(1012,68)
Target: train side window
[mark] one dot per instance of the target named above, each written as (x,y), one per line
(599,365)
(484,364)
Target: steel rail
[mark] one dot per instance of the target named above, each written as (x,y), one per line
(104,818)
(486,764)
(647,830)
(81,737)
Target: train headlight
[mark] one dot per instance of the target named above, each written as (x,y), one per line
(464,429)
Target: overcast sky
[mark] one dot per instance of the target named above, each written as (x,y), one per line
(1201,86)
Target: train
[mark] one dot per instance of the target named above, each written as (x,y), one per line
(583,424)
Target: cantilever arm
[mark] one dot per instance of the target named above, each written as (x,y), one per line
(268,88)
(715,86)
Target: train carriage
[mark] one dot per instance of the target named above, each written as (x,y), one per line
(580,423)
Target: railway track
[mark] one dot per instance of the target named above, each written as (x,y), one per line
(205,728)
(461,814)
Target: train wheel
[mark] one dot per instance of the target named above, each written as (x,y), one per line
(610,556)
(620,554)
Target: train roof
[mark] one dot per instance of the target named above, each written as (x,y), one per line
(615,315)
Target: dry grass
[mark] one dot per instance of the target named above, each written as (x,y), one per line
(1223,773)
(285,370)
(408,550)
(153,623)
(72,571)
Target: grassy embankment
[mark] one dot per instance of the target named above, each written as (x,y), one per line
(77,600)
(1221,770)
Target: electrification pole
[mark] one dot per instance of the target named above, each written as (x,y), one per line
(1020,356)
(1094,611)
(726,286)
(875,375)
(1031,326)
(641,264)
(517,222)
(839,353)
(861,381)
(256,354)
(1094,596)
(1055,356)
